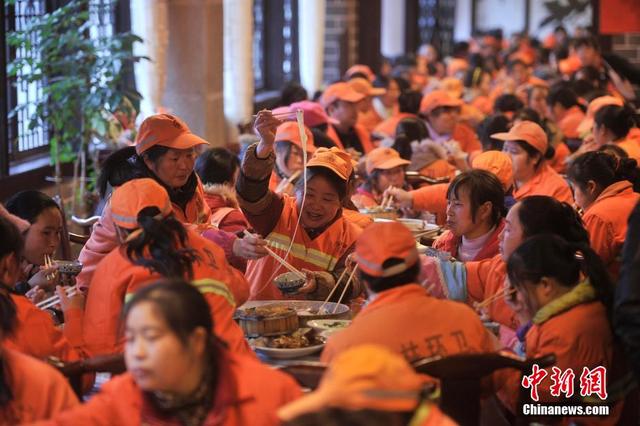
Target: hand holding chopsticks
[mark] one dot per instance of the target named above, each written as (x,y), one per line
(57,299)
(280,260)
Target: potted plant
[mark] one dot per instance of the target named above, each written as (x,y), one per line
(82,71)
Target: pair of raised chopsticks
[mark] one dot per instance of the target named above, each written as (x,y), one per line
(494,298)
(280,260)
(49,263)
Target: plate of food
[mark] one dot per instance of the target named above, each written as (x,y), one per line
(301,342)
(379,212)
(306,310)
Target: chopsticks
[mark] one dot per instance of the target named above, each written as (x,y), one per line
(423,233)
(283,262)
(344,290)
(54,300)
(344,271)
(280,114)
(48,263)
(387,200)
(491,299)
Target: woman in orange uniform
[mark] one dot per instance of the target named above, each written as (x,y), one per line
(156,244)
(289,158)
(313,236)
(384,169)
(474,282)
(475,216)
(602,190)
(179,371)
(35,332)
(528,146)
(164,151)
(30,390)
(564,291)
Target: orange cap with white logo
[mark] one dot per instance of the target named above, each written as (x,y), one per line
(132,197)
(381,242)
(166,130)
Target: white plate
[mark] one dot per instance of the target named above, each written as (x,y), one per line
(414,225)
(321,325)
(278,353)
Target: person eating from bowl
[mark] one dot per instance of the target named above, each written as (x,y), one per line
(384,169)
(313,235)
(401,315)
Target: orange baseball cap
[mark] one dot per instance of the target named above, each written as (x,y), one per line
(289,132)
(498,163)
(527,131)
(334,159)
(384,159)
(131,197)
(438,98)
(314,114)
(166,130)
(365,87)
(594,106)
(360,68)
(363,377)
(340,92)
(382,241)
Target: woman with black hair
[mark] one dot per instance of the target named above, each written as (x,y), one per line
(564,295)
(165,151)
(474,282)
(613,124)
(180,372)
(153,244)
(603,189)
(309,230)
(29,389)
(42,238)
(218,170)
(528,146)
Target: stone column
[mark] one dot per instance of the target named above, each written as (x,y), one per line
(194,67)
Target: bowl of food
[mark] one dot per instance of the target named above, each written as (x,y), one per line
(69,267)
(328,324)
(267,320)
(302,342)
(289,282)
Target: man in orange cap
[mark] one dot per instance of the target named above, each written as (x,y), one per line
(289,156)
(528,146)
(385,168)
(367,115)
(442,113)
(563,104)
(340,101)
(401,315)
(368,377)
